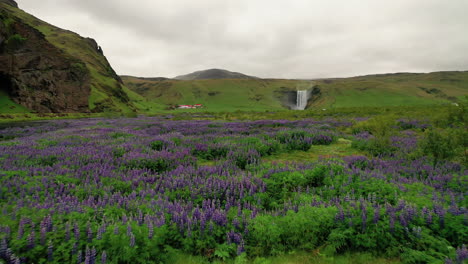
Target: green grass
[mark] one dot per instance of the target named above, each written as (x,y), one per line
(340,149)
(7,106)
(353,98)
(292,258)
(24,117)
(215,95)
(393,89)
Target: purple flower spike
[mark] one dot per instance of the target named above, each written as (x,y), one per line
(103,257)
(462,254)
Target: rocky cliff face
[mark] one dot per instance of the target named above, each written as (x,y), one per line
(47,69)
(36,74)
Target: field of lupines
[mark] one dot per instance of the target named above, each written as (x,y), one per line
(135,190)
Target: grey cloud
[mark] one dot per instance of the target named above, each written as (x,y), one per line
(269,38)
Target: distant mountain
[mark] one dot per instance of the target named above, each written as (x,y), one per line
(213,74)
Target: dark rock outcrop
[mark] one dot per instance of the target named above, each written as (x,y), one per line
(37,74)
(9,2)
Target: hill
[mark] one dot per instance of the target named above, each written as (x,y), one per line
(393,89)
(47,69)
(214,74)
(398,89)
(216,94)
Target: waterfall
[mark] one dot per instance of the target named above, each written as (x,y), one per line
(301,99)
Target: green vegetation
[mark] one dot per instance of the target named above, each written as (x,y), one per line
(291,258)
(346,186)
(393,89)
(216,95)
(265,95)
(14,42)
(341,148)
(86,52)
(7,106)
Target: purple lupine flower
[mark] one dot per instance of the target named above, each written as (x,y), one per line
(233,237)
(93,255)
(240,248)
(116,230)
(129,230)
(403,221)
(462,254)
(76,231)
(75,248)
(90,256)
(101,231)
(235,222)
(440,212)
(103,257)
(31,239)
(8,253)
(140,217)
(79,257)
(376,214)
(21,228)
(3,247)
(340,216)
(428,215)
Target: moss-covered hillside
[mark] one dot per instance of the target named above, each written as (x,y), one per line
(48,69)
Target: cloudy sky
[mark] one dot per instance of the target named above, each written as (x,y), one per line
(269,38)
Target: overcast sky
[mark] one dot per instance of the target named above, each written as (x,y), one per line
(269,38)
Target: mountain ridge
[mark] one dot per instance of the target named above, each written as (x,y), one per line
(214,73)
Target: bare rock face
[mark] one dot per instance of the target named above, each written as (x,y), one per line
(38,75)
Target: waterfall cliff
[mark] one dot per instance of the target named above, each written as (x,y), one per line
(301,99)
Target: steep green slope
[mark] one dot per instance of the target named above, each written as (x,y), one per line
(106,91)
(258,95)
(393,89)
(7,106)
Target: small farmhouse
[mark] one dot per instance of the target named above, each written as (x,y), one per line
(190,106)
